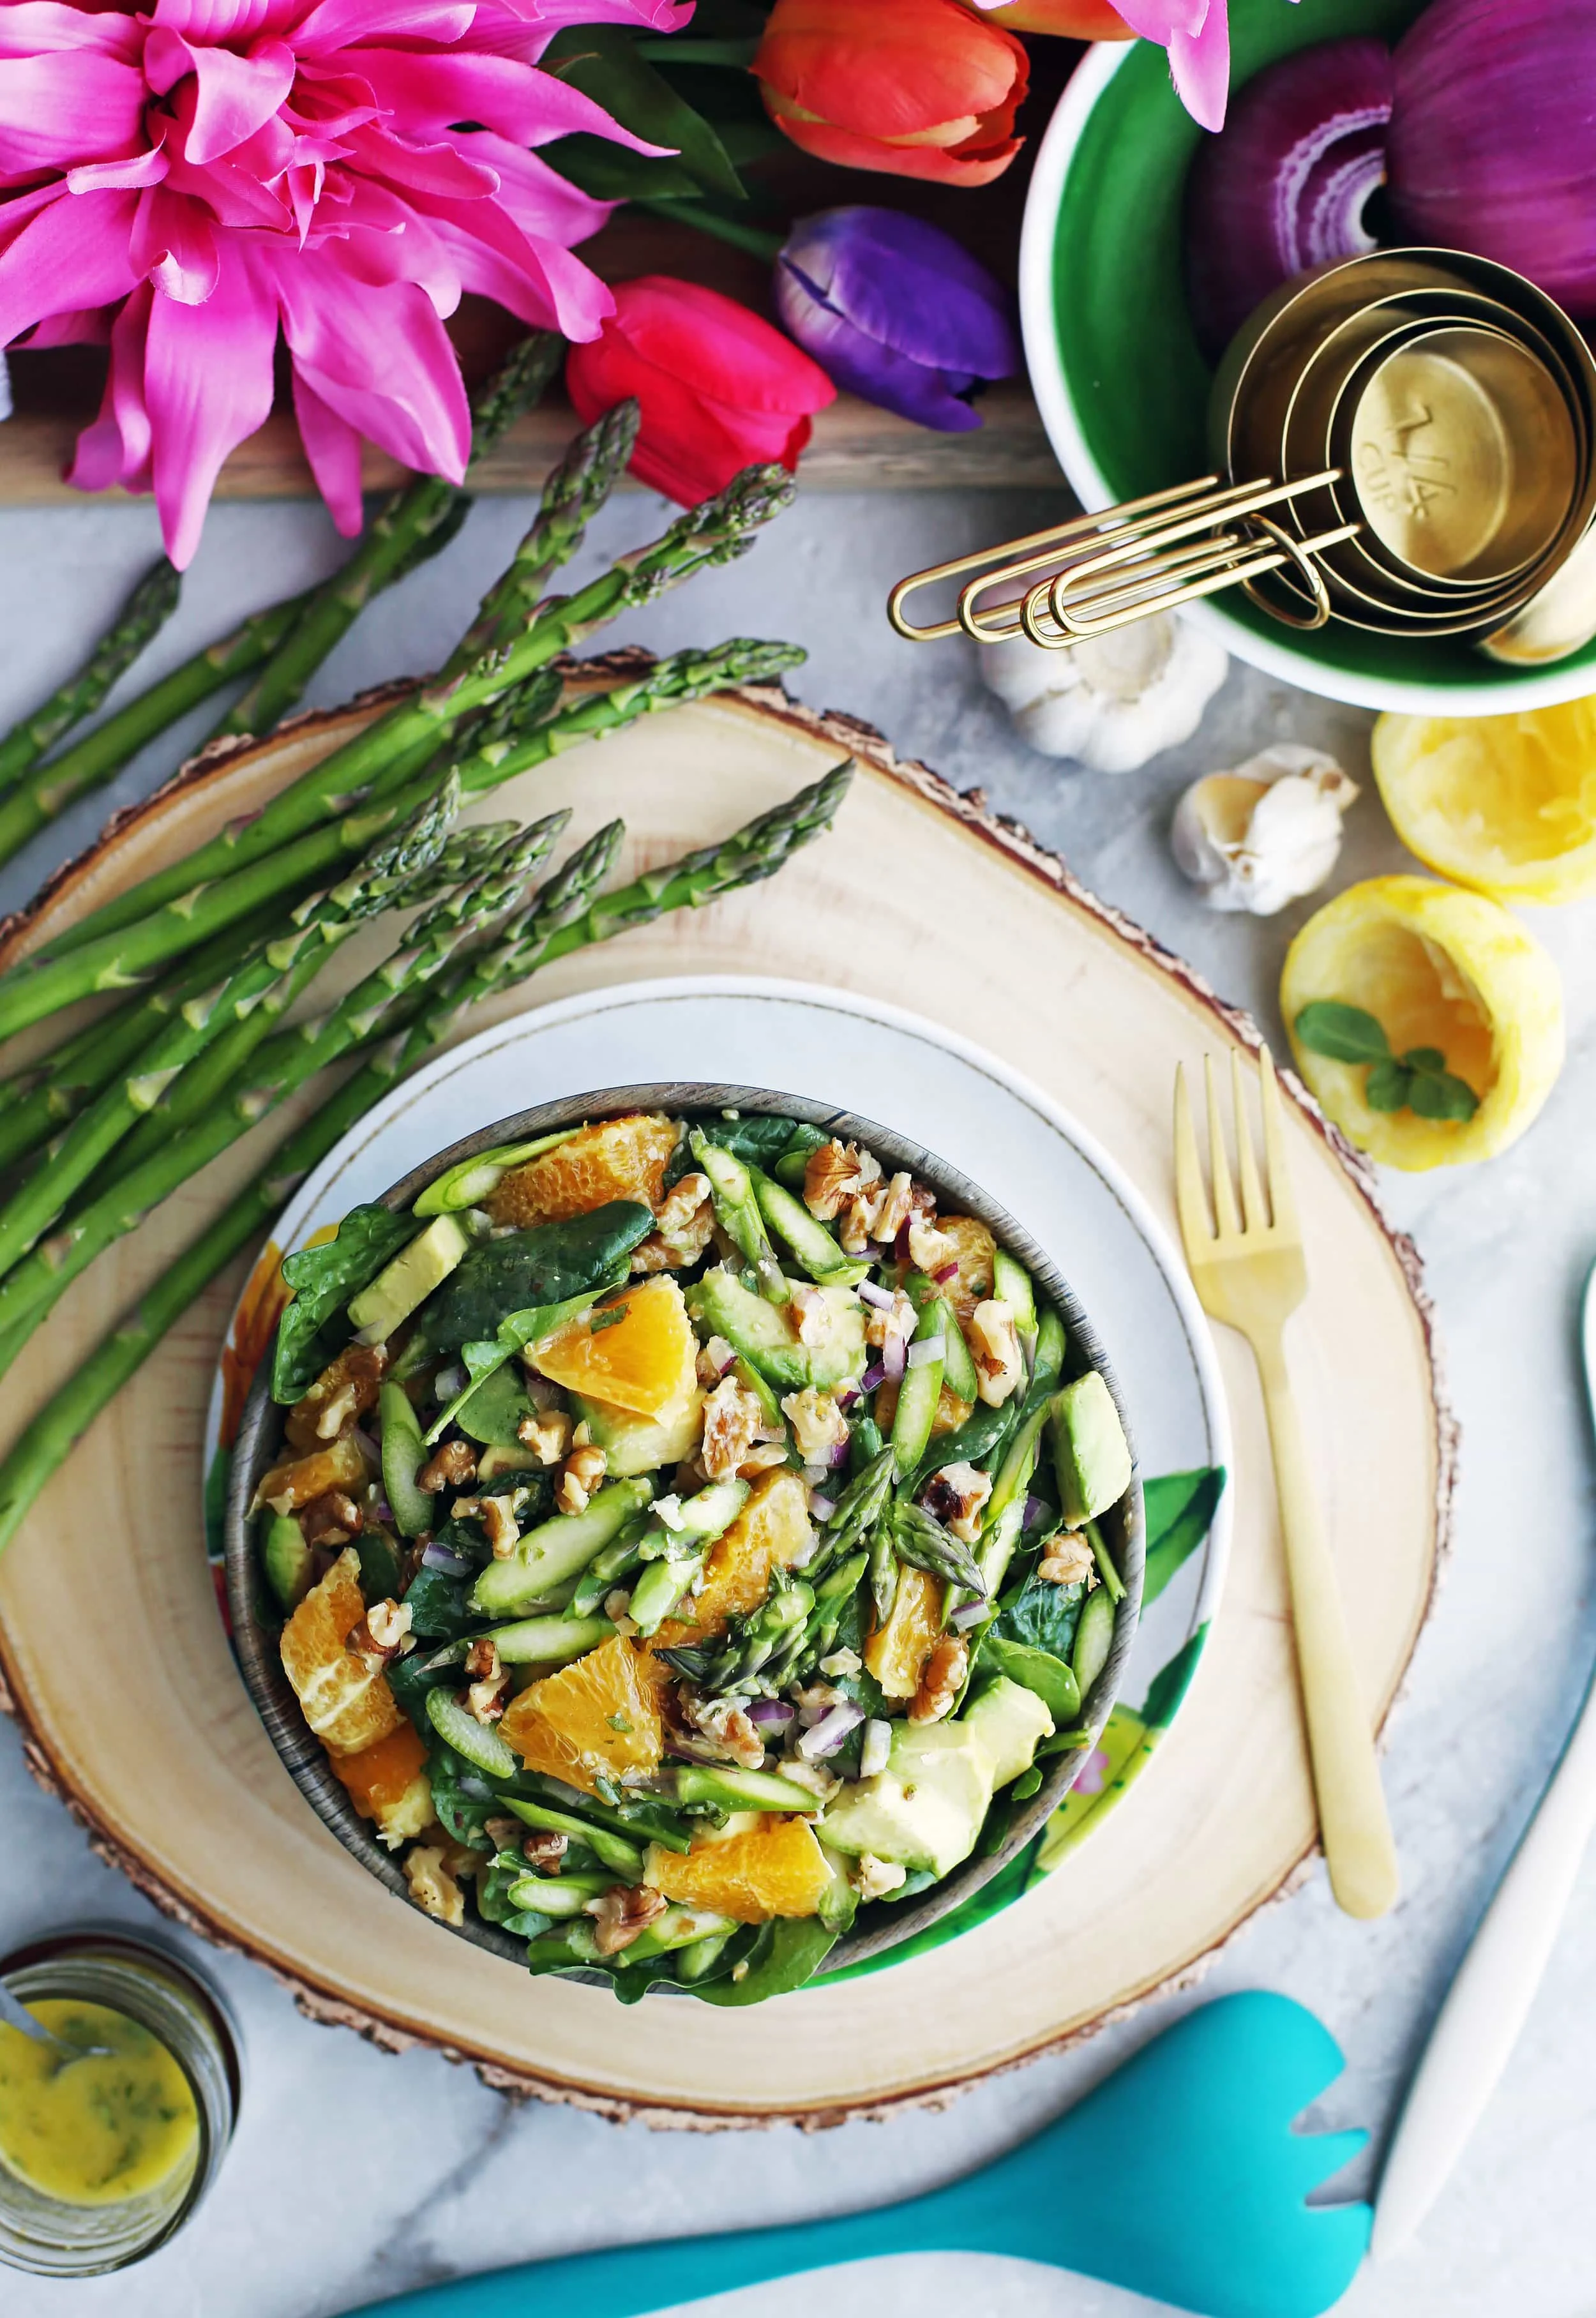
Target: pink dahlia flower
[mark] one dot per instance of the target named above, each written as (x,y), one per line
(185,182)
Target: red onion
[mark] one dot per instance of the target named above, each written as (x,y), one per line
(367,1446)
(968,1614)
(929,1349)
(847,1397)
(443,1556)
(1284,184)
(949,1271)
(837,1456)
(820,1507)
(1034,1508)
(770,1714)
(830,1731)
(448,1382)
(895,1359)
(874,1749)
(881,1297)
(1493,143)
(873,1376)
(815,1474)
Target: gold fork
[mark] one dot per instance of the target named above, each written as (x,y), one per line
(1250,1274)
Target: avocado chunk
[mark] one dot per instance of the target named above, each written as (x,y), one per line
(286,1559)
(1092,1455)
(925,1810)
(762,1333)
(640,1444)
(411,1276)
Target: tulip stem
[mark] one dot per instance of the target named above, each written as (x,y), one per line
(736,54)
(690,210)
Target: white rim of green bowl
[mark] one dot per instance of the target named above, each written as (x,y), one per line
(1543,689)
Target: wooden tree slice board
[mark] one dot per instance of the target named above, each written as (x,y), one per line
(133,1710)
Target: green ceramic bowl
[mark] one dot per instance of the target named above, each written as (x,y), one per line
(1122,388)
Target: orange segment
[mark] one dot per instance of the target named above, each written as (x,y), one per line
(642,1361)
(594,1718)
(388,1782)
(294,1482)
(896,1653)
(347,1704)
(771,1531)
(776,1869)
(615,1159)
(973,1249)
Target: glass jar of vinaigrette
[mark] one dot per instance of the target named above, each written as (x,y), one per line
(103,2157)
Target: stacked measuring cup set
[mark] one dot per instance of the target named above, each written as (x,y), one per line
(1404,441)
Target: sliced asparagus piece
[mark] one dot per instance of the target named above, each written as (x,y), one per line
(141,618)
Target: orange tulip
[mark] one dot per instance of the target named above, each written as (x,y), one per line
(1072,20)
(913,88)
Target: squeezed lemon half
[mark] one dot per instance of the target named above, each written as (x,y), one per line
(1505,804)
(1437,968)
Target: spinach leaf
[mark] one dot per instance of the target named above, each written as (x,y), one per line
(982,1432)
(758,1141)
(1041,1616)
(784,1954)
(544,1265)
(323,1279)
(410,1678)
(439,1609)
(1053,1681)
(862,1687)
(491,1413)
(494,1885)
(462,1796)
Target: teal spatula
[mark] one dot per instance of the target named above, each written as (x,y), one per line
(1201,2204)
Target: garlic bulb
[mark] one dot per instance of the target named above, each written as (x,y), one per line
(1266,833)
(1114,701)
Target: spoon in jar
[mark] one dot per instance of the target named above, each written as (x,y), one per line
(16,2015)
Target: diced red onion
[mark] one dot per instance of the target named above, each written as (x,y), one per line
(770,1714)
(968,1614)
(847,1397)
(366,1445)
(948,1272)
(1491,149)
(1036,1507)
(444,1558)
(881,1297)
(830,1731)
(875,1748)
(815,1474)
(838,1455)
(929,1349)
(821,1507)
(895,1360)
(449,1381)
(722,1359)
(384,1512)
(1284,185)
(873,1376)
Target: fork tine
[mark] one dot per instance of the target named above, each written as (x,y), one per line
(1224,1198)
(1274,1147)
(1252,1206)
(1191,1199)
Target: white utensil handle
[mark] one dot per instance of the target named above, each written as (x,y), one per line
(1486,2007)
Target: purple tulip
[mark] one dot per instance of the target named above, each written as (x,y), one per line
(896,311)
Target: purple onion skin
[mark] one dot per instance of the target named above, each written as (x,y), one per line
(1283,186)
(1492,144)
(896,311)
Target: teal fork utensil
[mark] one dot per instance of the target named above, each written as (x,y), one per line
(1203,2204)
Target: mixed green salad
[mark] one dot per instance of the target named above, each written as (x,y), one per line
(686,1536)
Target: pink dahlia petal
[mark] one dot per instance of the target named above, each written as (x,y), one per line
(208,384)
(116,448)
(61,110)
(1161,20)
(1199,62)
(96,176)
(173,243)
(225,20)
(343,23)
(546,206)
(71,254)
(89,327)
(236,96)
(28,28)
(333,448)
(428,94)
(380,358)
(442,169)
(652,15)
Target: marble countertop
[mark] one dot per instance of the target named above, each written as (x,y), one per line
(354,2173)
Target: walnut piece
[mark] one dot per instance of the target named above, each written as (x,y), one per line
(544,1848)
(993,1338)
(884,1321)
(715,1359)
(580,1476)
(451,1466)
(837,1175)
(382,1635)
(732,1418)
(339,1397)
(726,1724)
(331,1519)
(762,1458)
(496,1517)
(942,1679)
(684,1225)
(1068,1560)
(547,1434)
(955,1497)
(808,1314)
(929,1248)
(433,1885)
(819,1425)
(872,1878)
(622,1913)
(488,1680)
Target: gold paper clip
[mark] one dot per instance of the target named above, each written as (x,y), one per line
(1151,554)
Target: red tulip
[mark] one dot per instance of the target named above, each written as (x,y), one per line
(719,387)
(915,88)
(1071,20)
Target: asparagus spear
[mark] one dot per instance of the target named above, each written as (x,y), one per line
(387,750)
(146,612)
(560,920)
(276,969)
(414,525)
(48,789)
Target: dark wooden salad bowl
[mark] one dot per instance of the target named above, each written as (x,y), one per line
(257,1625)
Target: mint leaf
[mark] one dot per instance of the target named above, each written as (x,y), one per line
(1442,1097)
(1428,1059)
(1389,1086)
(1346,1034)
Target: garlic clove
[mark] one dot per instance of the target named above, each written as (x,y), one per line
(1111,701)
(1266,833)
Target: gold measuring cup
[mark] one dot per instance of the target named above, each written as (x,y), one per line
(1299,518)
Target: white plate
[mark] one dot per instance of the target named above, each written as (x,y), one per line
(963,1104)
